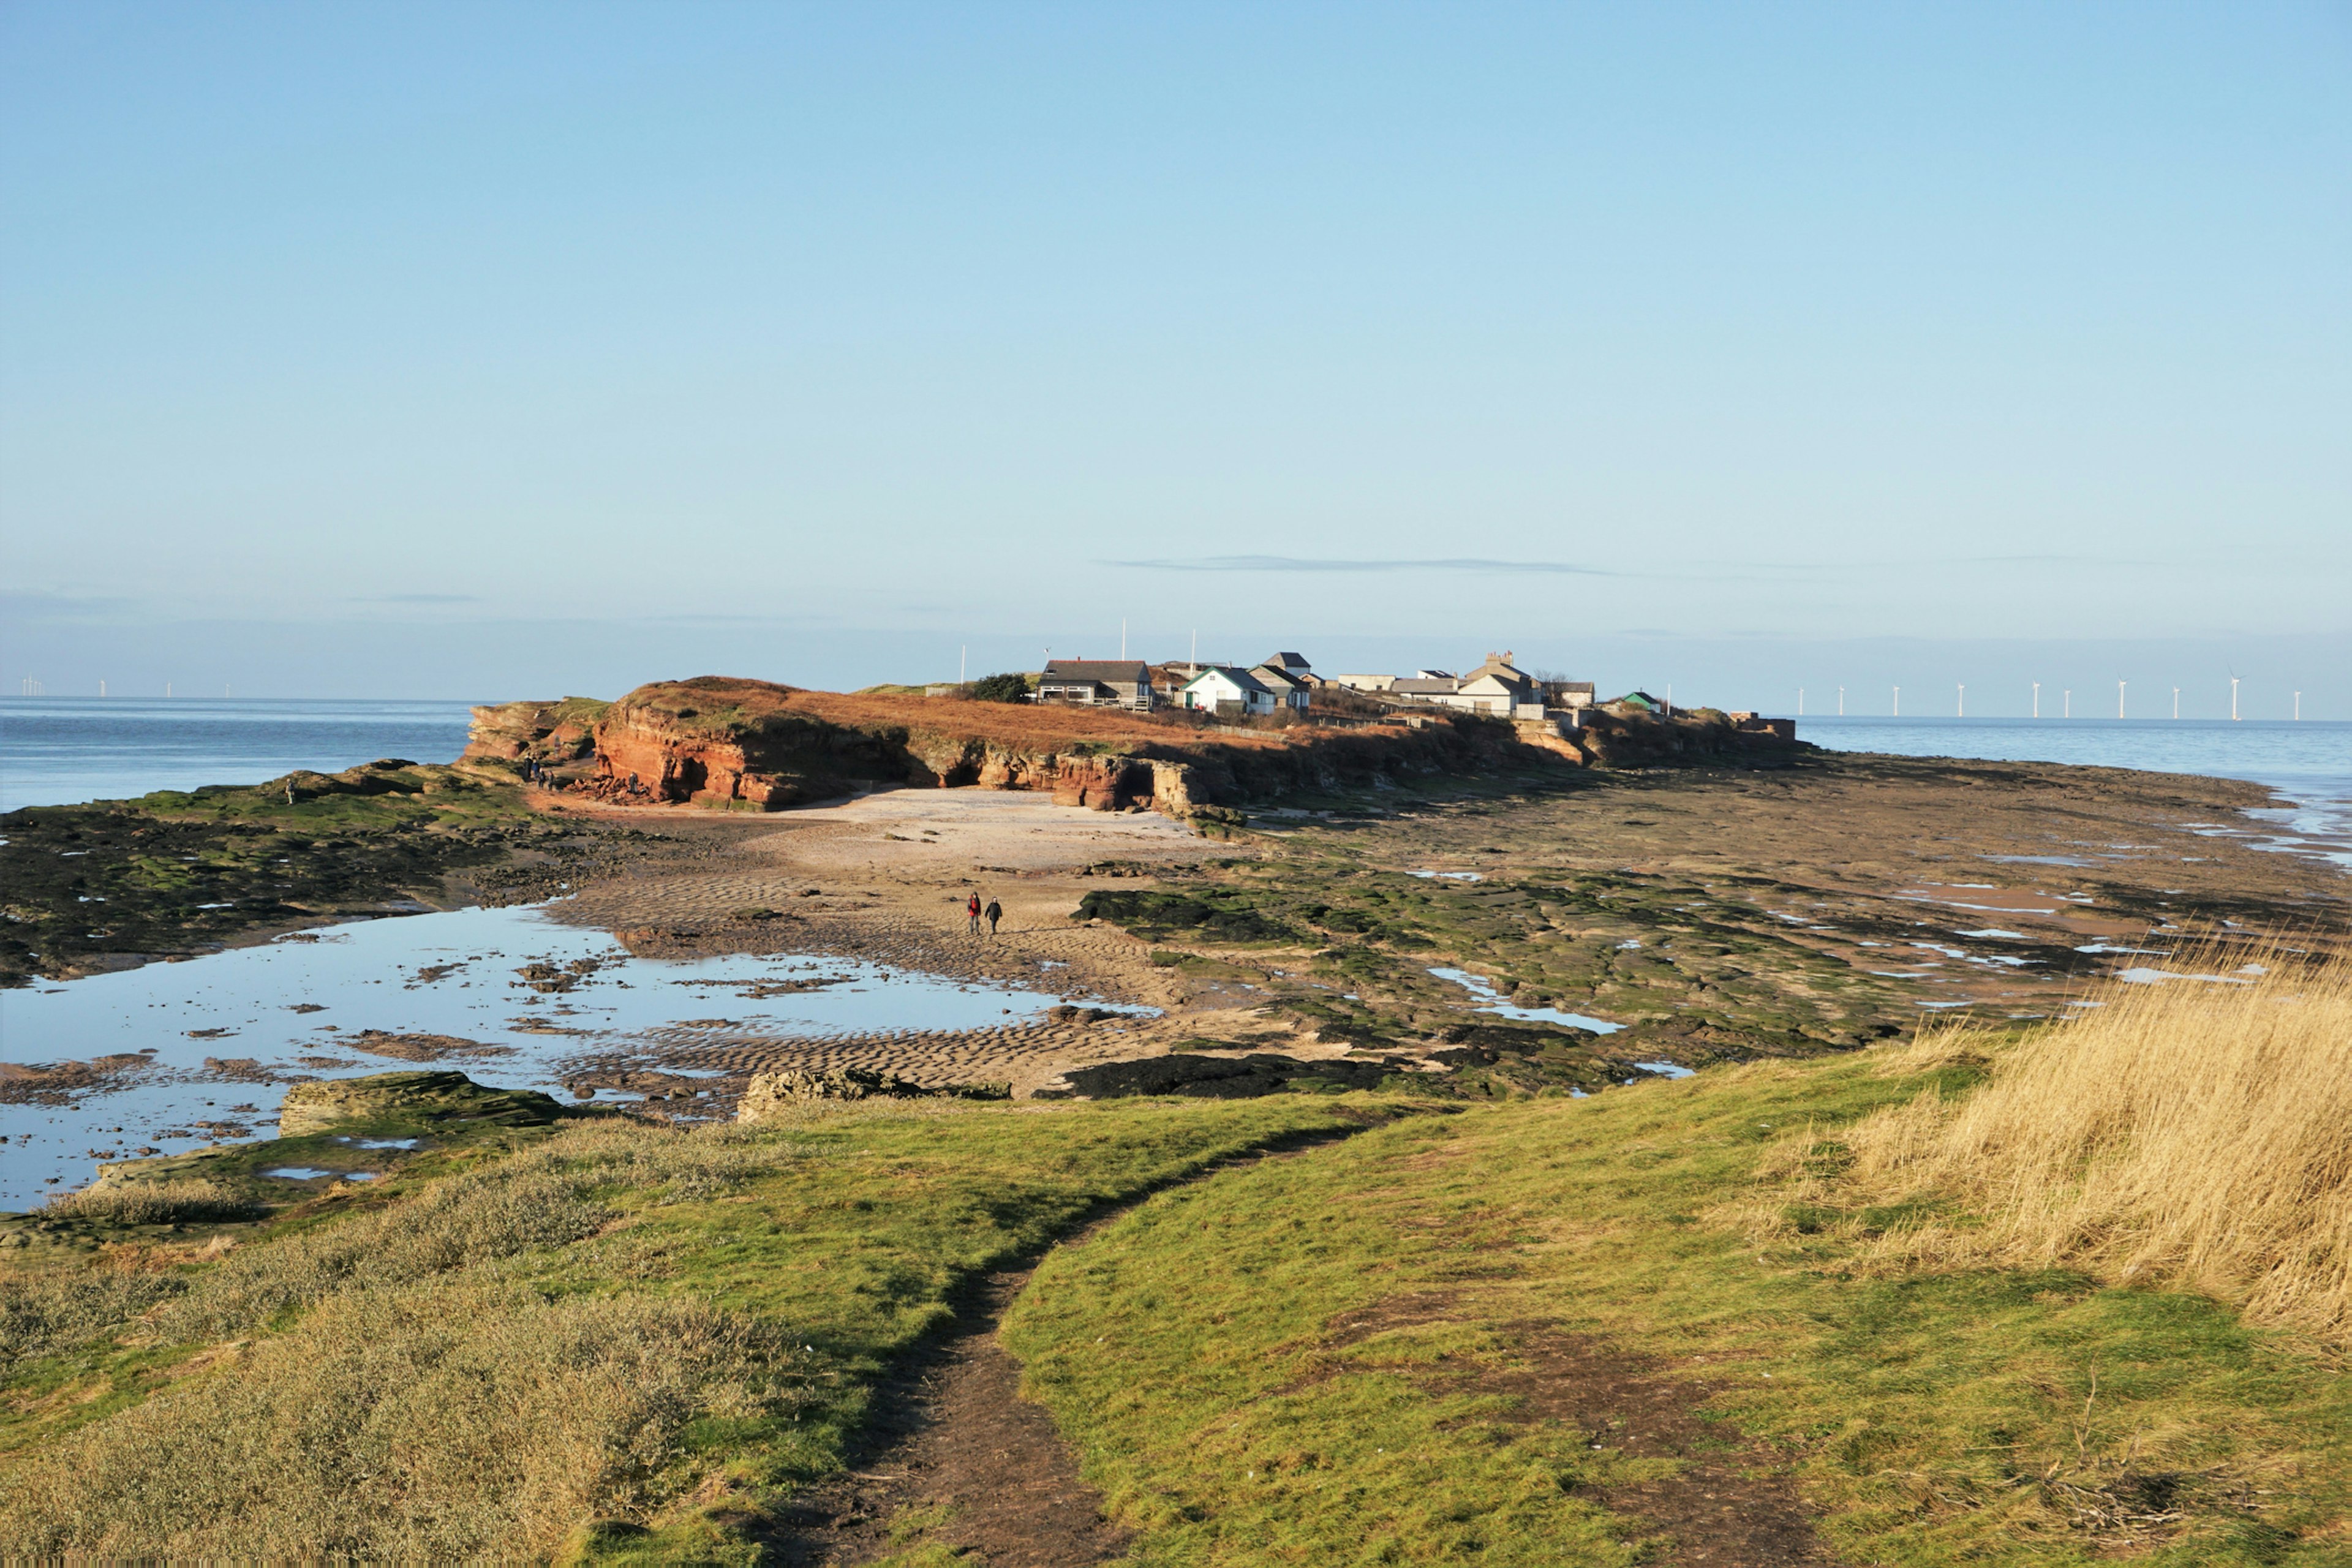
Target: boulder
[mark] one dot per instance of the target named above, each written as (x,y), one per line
(409,1097)
(771,1094)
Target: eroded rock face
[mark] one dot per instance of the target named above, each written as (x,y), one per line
(560,731)
(716,742)
(1631,739)
(755,745)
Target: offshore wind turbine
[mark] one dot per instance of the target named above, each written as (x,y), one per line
(2119,699)
(2037,700)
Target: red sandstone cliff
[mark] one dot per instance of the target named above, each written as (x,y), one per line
(753,745)
(560,731)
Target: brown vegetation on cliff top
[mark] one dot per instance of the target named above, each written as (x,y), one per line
(713,741)
(717,741)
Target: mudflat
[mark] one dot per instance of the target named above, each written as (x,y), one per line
(1542,928)
(1709,914)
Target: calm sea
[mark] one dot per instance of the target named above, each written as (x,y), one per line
(54,751)
(2309,763)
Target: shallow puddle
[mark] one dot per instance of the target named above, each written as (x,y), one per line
(1492,1002)
(202,1051)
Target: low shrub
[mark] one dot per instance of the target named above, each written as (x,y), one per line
(157,1202)
(1007,688)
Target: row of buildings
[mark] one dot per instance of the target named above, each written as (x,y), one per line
(1287,681)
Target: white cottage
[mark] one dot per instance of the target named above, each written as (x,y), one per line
(1221,685)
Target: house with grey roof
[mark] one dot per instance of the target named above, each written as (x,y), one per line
(1097,683)
(1225,688)
(1293,691)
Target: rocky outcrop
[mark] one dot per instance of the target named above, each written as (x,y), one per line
(559,732)
(741,743)
(386,775)
(774,1096)
(1630,737)
(755,745)
(409,1097)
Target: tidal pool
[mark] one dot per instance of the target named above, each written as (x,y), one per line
(197,1052)
(1492,1003)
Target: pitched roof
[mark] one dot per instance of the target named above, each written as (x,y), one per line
(1289,662)
(1110,671)
(1239,677)
(1420,688)
(1279,678)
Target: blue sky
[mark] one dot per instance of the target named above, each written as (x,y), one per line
(485,350)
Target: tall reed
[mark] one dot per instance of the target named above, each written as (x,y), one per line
(2194,1132)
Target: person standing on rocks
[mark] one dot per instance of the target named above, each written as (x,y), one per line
(972,912)
(995,913)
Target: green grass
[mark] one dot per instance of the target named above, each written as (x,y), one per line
(613,1341)
(729,1299)
(1195,1352)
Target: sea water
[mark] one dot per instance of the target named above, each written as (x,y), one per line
(2308,763)
(57,751)
(289,1006)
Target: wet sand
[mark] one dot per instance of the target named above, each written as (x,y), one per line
(887,878)
(1718,912)
(2009,888)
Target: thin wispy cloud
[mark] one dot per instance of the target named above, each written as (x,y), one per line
(36,604)
(1304,563)
(417,599)
(1697,571)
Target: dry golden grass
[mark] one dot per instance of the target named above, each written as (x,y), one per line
(421,1403)
(2193,1132)
(436,1421)
(157,1202)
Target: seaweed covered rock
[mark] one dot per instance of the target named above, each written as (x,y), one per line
(1221,1078)
(426,1097)
(772,1093)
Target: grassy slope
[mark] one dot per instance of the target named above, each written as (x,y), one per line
(840,1240)
(1191,1353)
